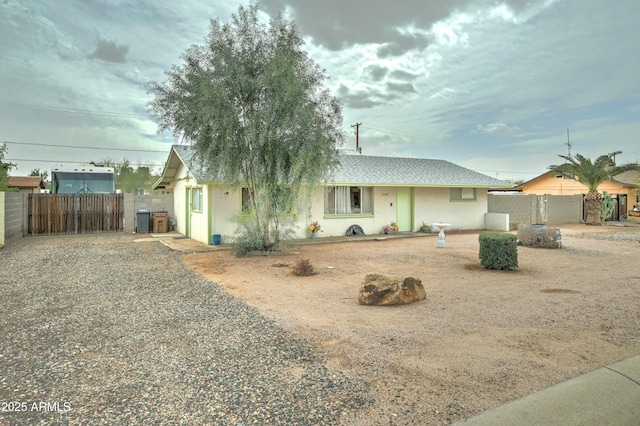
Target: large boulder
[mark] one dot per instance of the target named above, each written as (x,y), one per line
(383,290)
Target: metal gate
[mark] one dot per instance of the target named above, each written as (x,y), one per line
(51,214)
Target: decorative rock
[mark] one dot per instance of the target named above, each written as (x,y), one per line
(385,291)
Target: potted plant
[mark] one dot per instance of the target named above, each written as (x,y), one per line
(314,228)
(391,229)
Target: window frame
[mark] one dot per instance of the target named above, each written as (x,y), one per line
(357,199)
(466,194)
(197,199)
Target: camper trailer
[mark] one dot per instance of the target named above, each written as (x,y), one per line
(84,179)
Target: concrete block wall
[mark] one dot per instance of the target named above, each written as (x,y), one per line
(496,221)
(152,202)
(526,208)
(13,217)
(564,209)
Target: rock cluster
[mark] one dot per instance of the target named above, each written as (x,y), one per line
(382,290)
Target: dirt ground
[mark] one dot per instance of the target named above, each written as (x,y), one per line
(480,339)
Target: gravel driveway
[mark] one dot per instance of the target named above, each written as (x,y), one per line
(99,329)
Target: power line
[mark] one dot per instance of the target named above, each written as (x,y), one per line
(397,132)
(75,110)
(69,161)
(84,147)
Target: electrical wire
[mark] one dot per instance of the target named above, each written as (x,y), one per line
(84,147)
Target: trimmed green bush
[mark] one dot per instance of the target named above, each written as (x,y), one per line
(498,250)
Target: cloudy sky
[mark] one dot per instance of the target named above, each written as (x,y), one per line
(490,85)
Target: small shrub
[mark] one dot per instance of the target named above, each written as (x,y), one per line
(541,236)
(303,268)
(248,236)
(498,251)
(427,229)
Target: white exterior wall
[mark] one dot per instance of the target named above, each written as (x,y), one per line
(430,205)
(200,219)
(225,206)
(179,197)
(434,205)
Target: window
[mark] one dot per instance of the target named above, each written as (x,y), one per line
(457,194)
(349,200)
(196,199)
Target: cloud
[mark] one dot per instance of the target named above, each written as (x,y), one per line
(376,72)
(337,24)
(499,129)
(109,51)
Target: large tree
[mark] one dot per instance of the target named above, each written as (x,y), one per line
(5,168)
(592,175)
(252,105)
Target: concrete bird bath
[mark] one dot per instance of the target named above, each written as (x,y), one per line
(441,226)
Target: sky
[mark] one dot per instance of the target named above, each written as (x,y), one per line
(499,87)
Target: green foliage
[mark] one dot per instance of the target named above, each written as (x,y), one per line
(248,236)
(608,205)
(128,177)
(592,175)
(5,168)
(42,173)
(252,104)
(425,228)
(498,250)
(249,233)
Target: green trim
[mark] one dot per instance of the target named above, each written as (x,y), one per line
(400,207)
(347,216)
(412,185)
(187,215)
(209,213)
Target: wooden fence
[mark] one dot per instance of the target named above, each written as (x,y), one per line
(50,214)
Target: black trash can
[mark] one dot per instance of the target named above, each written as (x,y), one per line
(143,225)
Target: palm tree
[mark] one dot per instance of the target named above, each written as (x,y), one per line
(592,174)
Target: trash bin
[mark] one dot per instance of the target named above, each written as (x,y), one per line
(216,239)
(160,222)
(143,219)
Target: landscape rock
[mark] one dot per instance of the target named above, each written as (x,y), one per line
(382,290)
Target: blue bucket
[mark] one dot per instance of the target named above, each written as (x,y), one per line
(216,239)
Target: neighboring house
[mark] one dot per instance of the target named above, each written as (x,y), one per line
(624,187)
(367,191)
(26,184)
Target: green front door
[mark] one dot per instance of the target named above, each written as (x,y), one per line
(187,217)
(404,209)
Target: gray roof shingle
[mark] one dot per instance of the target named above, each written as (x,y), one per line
(377,171)
(369,170)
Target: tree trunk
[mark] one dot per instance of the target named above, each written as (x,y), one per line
(266,235)
(593,201)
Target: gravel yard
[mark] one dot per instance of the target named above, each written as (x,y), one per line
(98,329)
(480,339)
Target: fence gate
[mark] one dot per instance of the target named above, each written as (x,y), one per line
(75,213)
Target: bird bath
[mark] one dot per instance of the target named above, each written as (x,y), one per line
(441,226)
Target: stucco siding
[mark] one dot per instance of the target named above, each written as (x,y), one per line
(435,205)
(13,221)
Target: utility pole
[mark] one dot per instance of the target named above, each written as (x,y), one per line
(568,144)
(357,126)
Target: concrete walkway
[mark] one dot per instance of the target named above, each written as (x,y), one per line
(178,242)
(608,396)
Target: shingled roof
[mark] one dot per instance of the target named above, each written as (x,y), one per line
(25,182)
(362,170)
(396,171)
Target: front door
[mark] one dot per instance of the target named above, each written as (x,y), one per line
(187,217)
(404,209)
